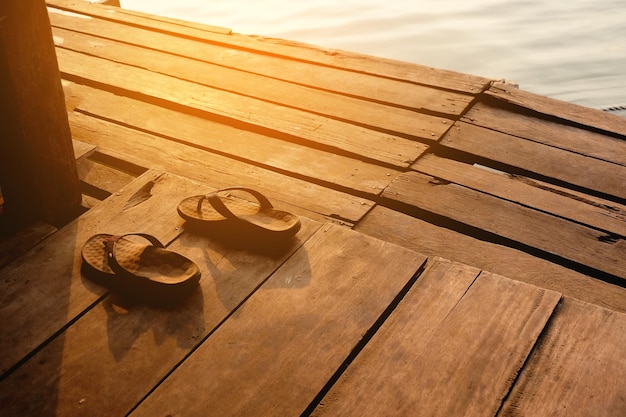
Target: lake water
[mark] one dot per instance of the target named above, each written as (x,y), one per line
(572,50)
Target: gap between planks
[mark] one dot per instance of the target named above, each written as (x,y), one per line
(452,347)
(296,51)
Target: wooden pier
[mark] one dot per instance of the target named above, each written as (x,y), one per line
(462,251)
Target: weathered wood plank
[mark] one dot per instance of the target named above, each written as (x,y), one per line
(216,170)
(81,149)
(42,291)
(547,161)
(530,227)
(165,23)
(214,102)
(567,111)
(603,215)
(299,51)
(103,177)
(339,107)
(280,348)
(355,84)
(373,114)
(293,158)
(548,132)
(578,367)
(136,18)
(15,244)
(431,240)
(117,352)
(429,357)
(37,165)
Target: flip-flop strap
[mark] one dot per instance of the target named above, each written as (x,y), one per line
(110,244)
(219,206)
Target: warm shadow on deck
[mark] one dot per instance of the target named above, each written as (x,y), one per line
(463,248)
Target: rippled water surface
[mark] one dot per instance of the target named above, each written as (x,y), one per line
(573,50)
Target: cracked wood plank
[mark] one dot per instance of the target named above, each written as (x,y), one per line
(453,346)
(280,348)
(567,111)
(297,51)
(600,214)
(547,161)
(111,357)
(549,132)
(43,290)
(298,93)
(577,368)
(551,234)
(291,157)
(218,171)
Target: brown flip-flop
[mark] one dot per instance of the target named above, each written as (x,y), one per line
(147,272)
(240,219)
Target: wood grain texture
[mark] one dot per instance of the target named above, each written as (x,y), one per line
(567,111)
(44,290)
(136,18)
(547,161)
(600,214)
(224,137)
(215,170)
(431,240)
(327,102)
(16,244)
(578,367)
(513,221)
(213,101)
(291,157)
(452,347)
(274,354)
(326,78)
(354,62)
(115,354)
(549,132)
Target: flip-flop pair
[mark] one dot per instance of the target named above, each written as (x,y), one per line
(153,273)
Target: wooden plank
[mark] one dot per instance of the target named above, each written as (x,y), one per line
(547,161)
(539,230)
(223,56)
(296,159)
(299,51)
(136,18)
(281,347)
(253,113)
(567,111)
(373,114)
(81,149)
(16,244)
(578,367)
(168,23)
(216,170)
(603,215)
(43,290)
(37,165)
(432,240)
(102,177)
(265,88)
(445,352)
(548,132)
(117,352)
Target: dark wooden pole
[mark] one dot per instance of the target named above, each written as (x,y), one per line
(38,173)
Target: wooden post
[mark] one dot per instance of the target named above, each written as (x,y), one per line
(38,173)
